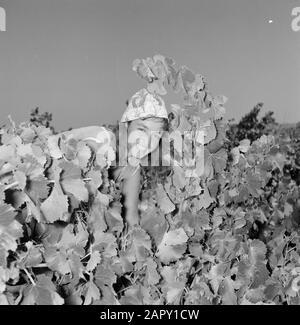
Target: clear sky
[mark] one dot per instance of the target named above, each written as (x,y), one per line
(73,57)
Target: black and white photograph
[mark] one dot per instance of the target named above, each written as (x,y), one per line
(149,155)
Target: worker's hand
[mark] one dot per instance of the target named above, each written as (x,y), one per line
(95,136)
(99,139)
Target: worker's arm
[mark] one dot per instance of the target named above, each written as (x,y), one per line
(131,191)
(131,183)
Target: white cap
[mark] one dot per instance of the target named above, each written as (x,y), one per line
(144,104)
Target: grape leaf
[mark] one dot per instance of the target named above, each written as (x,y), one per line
(55,207)
(90,292)
(72,183)
(172,246)
(152,276)
(94,260)
(139,246)
(173,287)
(42,293)
(164,201)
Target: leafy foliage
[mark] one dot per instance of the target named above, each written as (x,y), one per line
(41,119)
(251,127)
(229,236)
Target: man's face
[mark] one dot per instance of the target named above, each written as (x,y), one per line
(144,136)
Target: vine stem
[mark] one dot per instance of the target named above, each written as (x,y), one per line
(11,185)
(29,276)
(292,249)
(6,172)
(88,254)
(84,179)
(124,289)
(41,265)
(14,184)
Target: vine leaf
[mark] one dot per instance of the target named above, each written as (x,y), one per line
(56,206)
(172,246)
(42,293)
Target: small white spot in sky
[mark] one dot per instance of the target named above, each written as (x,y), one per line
(270,21)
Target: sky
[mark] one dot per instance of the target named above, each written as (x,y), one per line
(73,58)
